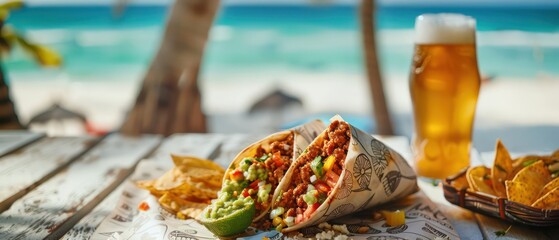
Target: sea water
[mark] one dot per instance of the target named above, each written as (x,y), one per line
(96,44)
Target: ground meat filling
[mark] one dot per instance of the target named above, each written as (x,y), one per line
(275,164)
(315,174)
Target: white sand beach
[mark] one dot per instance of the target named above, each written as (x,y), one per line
(502,102)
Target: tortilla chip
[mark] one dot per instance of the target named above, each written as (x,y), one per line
(548,187)
(174,203)
(555,155)
(520,192)
(525,161)
(461,182)
(187,188)
(502,169)
(185,162)
(208,176)
(535,176)
(171,179)
(479,179)
(549,200)
(527,184)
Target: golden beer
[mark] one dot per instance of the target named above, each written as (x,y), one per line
(444,87)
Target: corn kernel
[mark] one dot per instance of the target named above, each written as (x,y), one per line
(395,218)
(277,221)
(363,229)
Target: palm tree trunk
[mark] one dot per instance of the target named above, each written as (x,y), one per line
(169,100)
(381,114)
(8,116)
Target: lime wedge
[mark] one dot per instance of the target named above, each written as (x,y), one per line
(234,223)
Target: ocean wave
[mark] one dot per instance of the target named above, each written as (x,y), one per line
(95,37)
(518,38)
(220,33)
(50,36)
(484,38)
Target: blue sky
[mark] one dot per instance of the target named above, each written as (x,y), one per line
(383,2)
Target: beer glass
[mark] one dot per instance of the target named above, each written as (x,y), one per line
(444,85)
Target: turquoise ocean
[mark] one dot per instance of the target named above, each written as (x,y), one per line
(513,42)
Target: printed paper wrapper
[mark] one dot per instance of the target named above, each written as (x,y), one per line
(303,136)
(423,218)
(373,174)
(423,221)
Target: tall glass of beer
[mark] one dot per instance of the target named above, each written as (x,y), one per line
(444,85)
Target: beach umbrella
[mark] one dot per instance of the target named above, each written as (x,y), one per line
(275,108)
(57,120)
(56,112)
(277,100)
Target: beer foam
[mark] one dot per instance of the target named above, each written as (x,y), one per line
(445,28)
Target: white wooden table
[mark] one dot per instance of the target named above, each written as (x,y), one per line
(62,188)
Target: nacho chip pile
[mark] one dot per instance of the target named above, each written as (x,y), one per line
(530,180)
(188,188)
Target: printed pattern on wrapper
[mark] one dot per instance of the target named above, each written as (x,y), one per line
(373,174)
(423,219)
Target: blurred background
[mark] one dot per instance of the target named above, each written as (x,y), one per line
(310,50)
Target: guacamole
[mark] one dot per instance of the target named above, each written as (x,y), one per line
(230,213)
(226,203)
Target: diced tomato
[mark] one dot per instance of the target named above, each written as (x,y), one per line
(254,185)
(236,175)
(321,186)
(310,210)
(144,206)
(332,178)
(277,159)
(245,193)
(299,218)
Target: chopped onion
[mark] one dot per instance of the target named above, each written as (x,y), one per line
(313,178)
(310,187)
(289,221)
(276,212)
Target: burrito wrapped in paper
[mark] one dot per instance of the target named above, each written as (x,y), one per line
(344,170)
(252,177)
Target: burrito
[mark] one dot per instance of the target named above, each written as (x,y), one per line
(342,171)
(252,177)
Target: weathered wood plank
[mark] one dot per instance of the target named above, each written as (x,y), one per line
(87,225)
(200,145)
(57,205)
(463,220)
(11,140)
(490,225)
(552,232)
(23,170)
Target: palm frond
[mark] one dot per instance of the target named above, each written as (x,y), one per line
(45,56)
(11,4)
(6,6)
